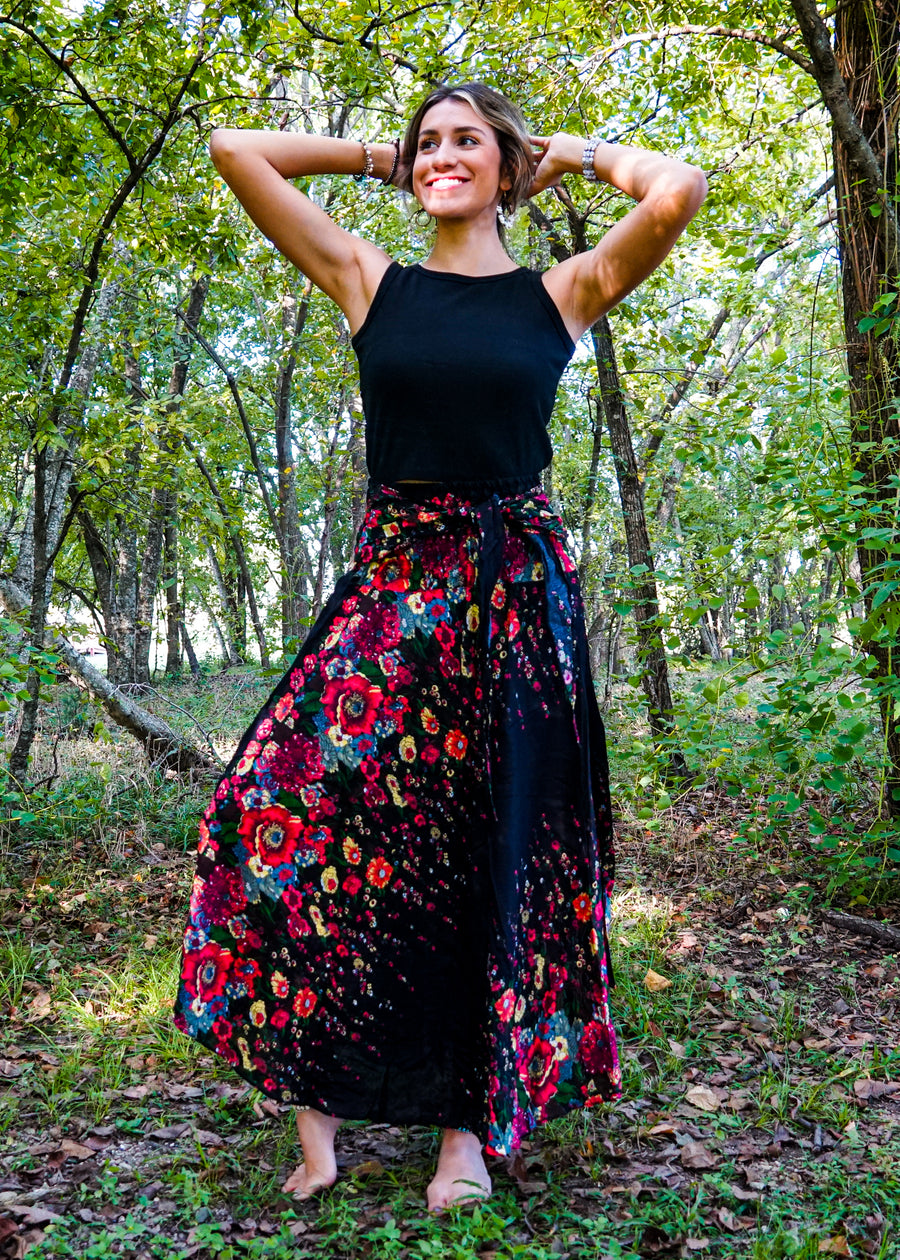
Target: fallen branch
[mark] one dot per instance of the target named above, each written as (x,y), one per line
(882,932)
(163,745)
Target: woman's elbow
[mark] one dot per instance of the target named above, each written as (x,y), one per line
(696,188)
(221,146)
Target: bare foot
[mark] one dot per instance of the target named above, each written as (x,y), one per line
(461,1175)
(319,1168)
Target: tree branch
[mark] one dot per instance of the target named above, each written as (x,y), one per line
(718,32)
(831,83)
(245,422)
(81,90)
(162,744)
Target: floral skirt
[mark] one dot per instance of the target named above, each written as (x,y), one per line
(399,911)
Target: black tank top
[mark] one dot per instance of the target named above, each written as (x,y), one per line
(458,376)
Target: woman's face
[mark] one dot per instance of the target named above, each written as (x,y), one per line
(456,169)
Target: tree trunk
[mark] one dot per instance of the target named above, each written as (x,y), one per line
(53,469)
(294,608)
(858,78)
(163,512)
(163,746)
(170,586)
(652,656)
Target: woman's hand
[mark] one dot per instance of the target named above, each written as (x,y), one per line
(554,157)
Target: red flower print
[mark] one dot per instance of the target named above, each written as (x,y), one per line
(430,722)
(594,1050)
(352,704)
(305,1003)
(456,744)
(377,630)
(297,763)
(378,872)
(449,665)
(352,884)
(280,986)
(445,636)
(292,898)
(543,1071)
(430,754)
(222,895)
(505,1005)
(282,708)
(374,795)
(206,971)
(583,907)
(272,834)
(392,574)
(351,851)
(279,1018)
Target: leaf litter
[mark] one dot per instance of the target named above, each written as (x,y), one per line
(761,1057)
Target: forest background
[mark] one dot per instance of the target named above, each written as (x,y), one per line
(182,441)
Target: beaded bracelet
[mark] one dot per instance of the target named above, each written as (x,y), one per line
(587,159)
(368,165)
(394,163)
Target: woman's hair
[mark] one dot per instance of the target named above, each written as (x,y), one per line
(507,123)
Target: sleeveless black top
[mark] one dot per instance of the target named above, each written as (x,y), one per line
(458,376)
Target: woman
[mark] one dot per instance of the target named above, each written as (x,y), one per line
(399,910)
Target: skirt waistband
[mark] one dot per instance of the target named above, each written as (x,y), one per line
(439,492)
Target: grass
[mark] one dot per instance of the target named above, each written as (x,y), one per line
(92,897)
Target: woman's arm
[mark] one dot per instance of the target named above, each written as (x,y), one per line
(668,192)
(257,166)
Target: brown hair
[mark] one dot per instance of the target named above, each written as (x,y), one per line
(502,116)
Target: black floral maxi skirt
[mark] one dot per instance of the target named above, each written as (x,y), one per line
(399,911)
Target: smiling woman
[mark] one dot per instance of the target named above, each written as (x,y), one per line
(403,879)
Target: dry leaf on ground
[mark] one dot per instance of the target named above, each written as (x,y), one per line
(702,1097)
(655,982)
(836,1246)
(866,1089)
(695,1155)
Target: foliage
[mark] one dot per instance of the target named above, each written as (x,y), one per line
(730,356)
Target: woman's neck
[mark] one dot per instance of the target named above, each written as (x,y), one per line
(469,249)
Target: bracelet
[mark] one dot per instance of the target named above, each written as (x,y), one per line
(394,164)
(368,165)
(587,159)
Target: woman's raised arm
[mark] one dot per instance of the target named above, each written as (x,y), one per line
(668,192)
(257,166)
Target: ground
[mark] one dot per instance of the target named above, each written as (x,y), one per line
(759,1117)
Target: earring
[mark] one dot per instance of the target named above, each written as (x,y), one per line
(506,215)
(417,218)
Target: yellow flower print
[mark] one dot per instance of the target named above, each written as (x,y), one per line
(258,1014)
(394,788)
(472,617)
(351,851)
(318,921)
(408,748)
(330,879)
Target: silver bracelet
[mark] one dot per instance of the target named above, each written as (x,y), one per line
(587,159)
(368,165)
